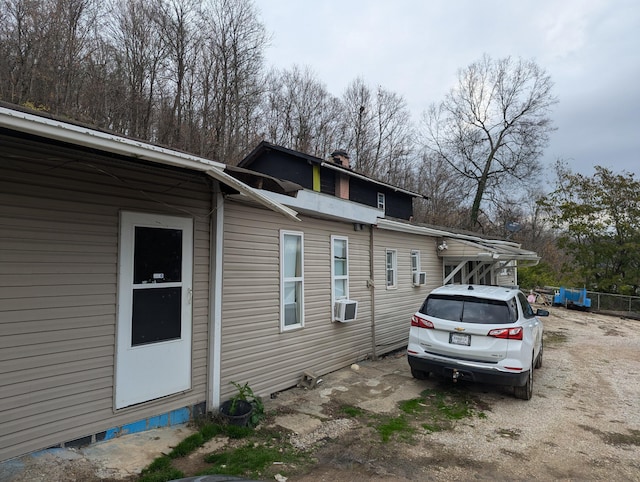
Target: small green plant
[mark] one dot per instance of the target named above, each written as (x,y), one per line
(392,425)
(252,460)
(554,338)
(351,411)
(245,393)
(413,406)
(160,470)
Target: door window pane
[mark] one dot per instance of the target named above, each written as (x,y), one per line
(157,255)
(156,315)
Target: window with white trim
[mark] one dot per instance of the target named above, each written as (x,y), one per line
(392,268)
(339,268)
(381,200)
(291,280)
(415,261)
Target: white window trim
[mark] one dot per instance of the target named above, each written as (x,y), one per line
(383,197)
(335,277)
(415,253)
(394,268)
(284,279)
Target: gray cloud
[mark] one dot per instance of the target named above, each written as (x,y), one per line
(414,48)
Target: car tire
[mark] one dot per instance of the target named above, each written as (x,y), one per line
(419,374)
(539,359)
(525,392)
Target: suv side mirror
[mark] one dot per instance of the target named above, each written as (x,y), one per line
(540,312)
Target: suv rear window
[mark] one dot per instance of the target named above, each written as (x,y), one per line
(470,309)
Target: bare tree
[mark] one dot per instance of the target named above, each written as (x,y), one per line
(42,46)
(177,22)
(138,50)
(360,125)
(231,77)
(299,112)
(492,127)
(445,205)
(21,39)
(380,134)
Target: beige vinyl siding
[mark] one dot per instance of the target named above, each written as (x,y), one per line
(507,275)
(253,348)
(394,306)
(459,249)
(59,221)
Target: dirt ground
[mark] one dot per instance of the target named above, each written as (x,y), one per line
(583,422)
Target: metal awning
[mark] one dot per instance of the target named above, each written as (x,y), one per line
(458,249)
(485,250)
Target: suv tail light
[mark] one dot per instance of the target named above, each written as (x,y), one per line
(421,322)
(507,333)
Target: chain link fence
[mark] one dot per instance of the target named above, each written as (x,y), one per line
(615,303)
(621,305)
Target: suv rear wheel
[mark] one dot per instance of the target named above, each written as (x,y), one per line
(525,392)
(539,359)
(419,374)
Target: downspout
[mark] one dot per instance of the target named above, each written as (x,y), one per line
(215,298)
(372,289)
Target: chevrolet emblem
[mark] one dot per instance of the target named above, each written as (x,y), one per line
(459,328)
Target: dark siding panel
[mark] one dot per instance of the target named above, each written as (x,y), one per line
(397,204)
(327,182)
(283,166)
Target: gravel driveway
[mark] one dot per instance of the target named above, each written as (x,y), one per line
(583,422)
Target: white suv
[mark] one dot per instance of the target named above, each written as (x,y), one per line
(486,334)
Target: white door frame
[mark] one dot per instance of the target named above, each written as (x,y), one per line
(149,371)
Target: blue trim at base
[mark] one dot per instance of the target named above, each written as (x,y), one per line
(169,419)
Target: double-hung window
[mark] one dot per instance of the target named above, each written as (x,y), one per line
(291,280)
(381,200)
(339,268)
(392,268)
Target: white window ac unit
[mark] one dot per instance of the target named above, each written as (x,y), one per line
(419,278)
(345,310)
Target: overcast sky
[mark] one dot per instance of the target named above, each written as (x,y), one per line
(590,48)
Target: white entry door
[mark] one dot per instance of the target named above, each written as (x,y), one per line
(154,307)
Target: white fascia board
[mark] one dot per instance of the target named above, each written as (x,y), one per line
(410,228)
(102,141)
(509,249)
(312,202)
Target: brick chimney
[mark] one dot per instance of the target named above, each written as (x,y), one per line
(341,158)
